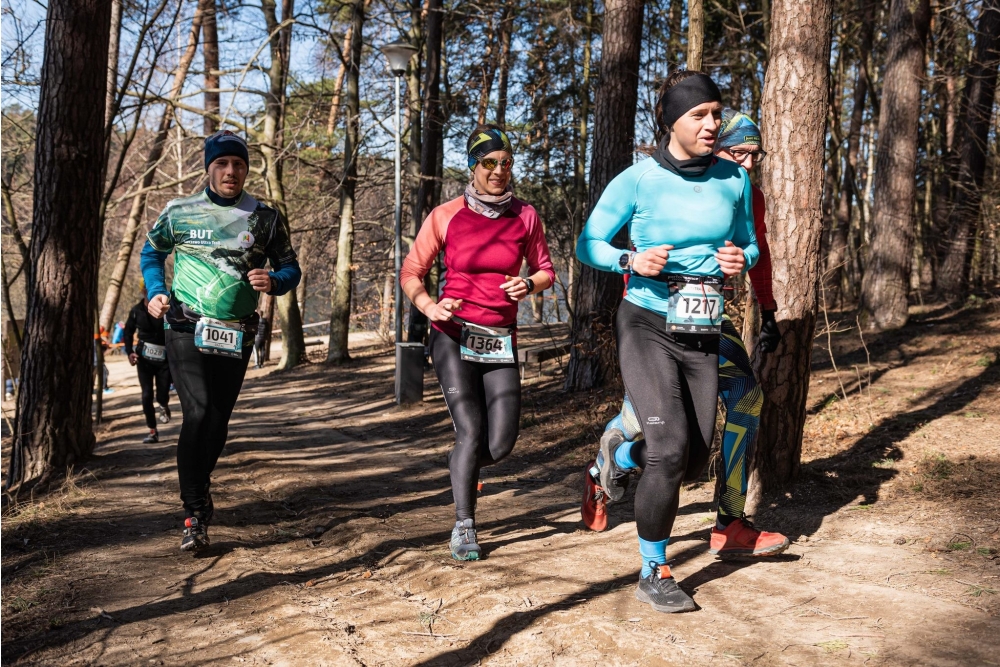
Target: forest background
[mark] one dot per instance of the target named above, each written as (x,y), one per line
(879,118)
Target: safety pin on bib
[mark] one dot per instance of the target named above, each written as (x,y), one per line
(492,332)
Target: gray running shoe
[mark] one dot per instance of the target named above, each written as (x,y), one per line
(164,411)
(663,594)
(463,541)
(152,438)
(614,480)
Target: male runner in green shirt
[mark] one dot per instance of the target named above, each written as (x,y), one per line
(221,238)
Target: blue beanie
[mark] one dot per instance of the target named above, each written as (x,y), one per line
(225,143)
(737,129)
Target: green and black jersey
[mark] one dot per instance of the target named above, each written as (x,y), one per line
(215,246)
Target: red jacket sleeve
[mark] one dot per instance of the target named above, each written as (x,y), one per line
(536,250)
(429,242)
(760,274)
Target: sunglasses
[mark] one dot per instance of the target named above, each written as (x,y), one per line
(490,163)
(741,154)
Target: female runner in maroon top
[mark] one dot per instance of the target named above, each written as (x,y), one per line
(486,235)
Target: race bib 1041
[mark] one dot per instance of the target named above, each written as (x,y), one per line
(218,337)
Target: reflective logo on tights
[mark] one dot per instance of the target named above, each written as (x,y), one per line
(654,421)
(452,390)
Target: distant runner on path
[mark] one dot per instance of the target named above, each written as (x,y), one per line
(734,535)
(485,234)
(149,357)
(690,220)
(221,237)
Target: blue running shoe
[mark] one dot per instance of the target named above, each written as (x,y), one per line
(463,541)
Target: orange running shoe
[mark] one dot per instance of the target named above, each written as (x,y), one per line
(740,538)
(594,507)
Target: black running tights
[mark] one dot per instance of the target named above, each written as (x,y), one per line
(153,373)
(485,405)
(673,381)
(208,386)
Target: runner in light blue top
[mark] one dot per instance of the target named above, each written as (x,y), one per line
(695,215)
(690,222)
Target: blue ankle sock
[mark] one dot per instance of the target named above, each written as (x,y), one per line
(623,457)
(652,551)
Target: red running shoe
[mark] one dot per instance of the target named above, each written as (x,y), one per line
(594,507)
(740,538)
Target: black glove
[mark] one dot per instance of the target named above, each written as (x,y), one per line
(770,336)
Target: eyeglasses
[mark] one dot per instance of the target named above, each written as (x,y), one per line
(741,154)
(490,163)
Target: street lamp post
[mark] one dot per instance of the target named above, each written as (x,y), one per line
(409,373)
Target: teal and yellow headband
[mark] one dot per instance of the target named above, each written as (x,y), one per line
(737,129)
(483,143)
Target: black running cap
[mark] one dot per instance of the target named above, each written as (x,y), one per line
(685,95)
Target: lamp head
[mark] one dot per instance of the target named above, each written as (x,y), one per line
(398,54)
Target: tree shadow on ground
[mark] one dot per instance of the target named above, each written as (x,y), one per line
(885,348)
(826,486)
(829,484)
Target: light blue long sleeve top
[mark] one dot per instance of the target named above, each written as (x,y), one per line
(696,215)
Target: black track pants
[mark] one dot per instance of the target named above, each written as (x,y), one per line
(485,404)
(208,386)
(153,374)
(673,381)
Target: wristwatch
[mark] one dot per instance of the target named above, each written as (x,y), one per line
(531,285)
(625,261)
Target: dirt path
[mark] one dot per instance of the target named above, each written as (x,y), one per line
(334,509)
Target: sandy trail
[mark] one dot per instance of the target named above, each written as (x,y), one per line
(334,510)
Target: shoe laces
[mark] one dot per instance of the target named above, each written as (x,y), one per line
(467,533)
(656,575)
(192,526)
(745,520)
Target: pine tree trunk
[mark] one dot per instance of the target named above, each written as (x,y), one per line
(946,73)
(427,192)
(580,170)
(538,91)
(210,56)
(886,282)
(980,89)
(414,104)
(675,19)
(796,85)
(113,50)
(340,319)
(293,345)
(338,84)
(53,425)
(696,33)
(837,256)
(503,82)
(593,361)
(137,212)
(488,70)
(385,327)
